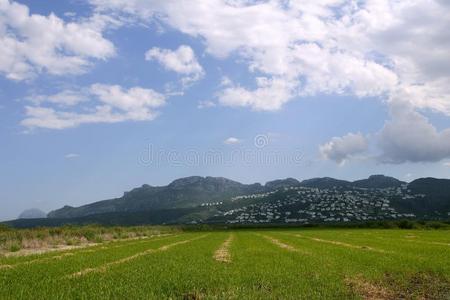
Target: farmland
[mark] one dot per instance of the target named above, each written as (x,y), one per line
(250,264)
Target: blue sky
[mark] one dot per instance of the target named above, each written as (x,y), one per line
(270,89)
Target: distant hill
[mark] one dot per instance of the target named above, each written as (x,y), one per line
(437,195)
(32,213)
(378,181)
(280,183)
(374,181)
(325,183)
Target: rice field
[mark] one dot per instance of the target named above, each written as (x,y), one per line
(241,264)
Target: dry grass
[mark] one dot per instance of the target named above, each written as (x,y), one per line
(368,290)
(423,286)
(223,253)
(281,244)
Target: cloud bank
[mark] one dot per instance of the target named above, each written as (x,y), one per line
(301,48)
(101,104)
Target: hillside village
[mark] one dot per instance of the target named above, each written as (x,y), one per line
(304,205)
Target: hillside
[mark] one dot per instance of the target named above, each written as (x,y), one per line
(436,196)
(181,193)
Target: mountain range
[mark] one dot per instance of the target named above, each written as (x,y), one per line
(198,199)
(195,190)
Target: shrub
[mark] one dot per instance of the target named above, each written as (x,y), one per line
(406,224)
(98,239)
(14,246)
(4,227)
(435,225)
(88,234)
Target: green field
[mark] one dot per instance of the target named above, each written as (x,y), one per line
(242,264)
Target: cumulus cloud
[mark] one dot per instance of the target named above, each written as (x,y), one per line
(363,48)
(270,94)
(182,61)
(101,104)
(32,43)
(339,149)
(231,141)
(409,136)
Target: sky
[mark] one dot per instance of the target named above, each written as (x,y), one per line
(100,96)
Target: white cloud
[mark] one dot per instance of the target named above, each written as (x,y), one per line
(447,164)
(363,48)
(182,61)
(409,136)
(232,141)
(270,94)
(32,43)
(103,104)
(71,155)
(64,98)
(339,149)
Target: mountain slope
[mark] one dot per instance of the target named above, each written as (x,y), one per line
(378,181)
(436,199)
(181,193)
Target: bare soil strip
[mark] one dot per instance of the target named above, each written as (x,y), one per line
(342,244)
(105,267)
(83,250)
(282,245)
(223,253)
